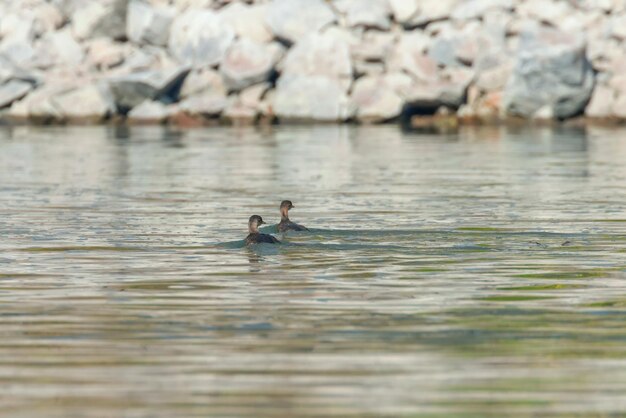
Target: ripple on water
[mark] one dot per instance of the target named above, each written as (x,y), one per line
(456,276)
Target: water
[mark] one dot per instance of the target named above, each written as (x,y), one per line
(468,275)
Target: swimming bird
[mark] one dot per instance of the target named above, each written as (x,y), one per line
(285,224)
(254,236)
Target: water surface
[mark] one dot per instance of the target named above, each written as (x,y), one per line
(465,275)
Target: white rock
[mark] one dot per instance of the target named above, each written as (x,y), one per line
(13,90)
(248,21)
(60,48)
(147,24)
(248,62)
(92,103)
(104,53)
(409,55)
(149,111)
(375,101)
(404,10)
(200,38)
(320,54)
(253,95)
(203,81)
(374,46)
(432,11)
(366,13)
(292,20)
(472,9)
(547,11)
(314,98)
(100,18)
(601,103)
(207,104)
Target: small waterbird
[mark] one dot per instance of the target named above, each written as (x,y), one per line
(285,224)
(254,236)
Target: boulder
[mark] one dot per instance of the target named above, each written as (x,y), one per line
(291,20)
(432,11)
(13,90)
(449,90)
(248,21)
(375,101)
(148,24)
(374,46)
(601,103)
(365,13)
(248,62)
(551,12)
(132,89)
(474,9)
(104,53)
(551,70)
(200,38)
(253,95)
(92,103)
(208,104)
(203,81)
(619,106)
(409,55)
(320,54)
(239,113)
(149,111)
(403,10)
(38,106)
(100,18)
(311,98)
(59,48)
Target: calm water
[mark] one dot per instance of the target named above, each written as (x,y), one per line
(468,275)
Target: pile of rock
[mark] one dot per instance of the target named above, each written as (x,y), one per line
(200,61)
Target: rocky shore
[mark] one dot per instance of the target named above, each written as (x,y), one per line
(197,62)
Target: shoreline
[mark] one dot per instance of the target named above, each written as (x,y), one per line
(205,62)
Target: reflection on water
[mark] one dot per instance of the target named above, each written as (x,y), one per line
(476,274)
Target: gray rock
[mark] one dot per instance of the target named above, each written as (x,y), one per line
(19,50)
(443,51)
(248,21)
(200,38)
(132,89)
(247,63)
(551,70)
(38,106)
(375,101)
(365,13)
(291,20)
(449,90)
(13,90)
(312,98)
(148,24)
(92,103)
(320,54)
(149,112)
(100,18)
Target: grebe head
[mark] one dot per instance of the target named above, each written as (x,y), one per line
(254,222)
(285,205)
